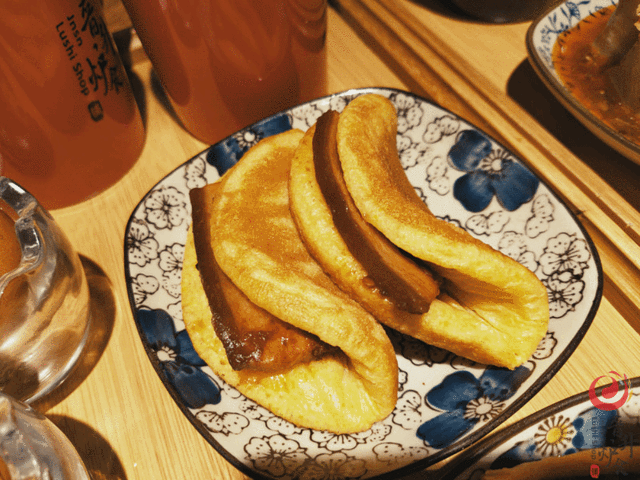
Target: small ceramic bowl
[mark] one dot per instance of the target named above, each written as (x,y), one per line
(541,37)
(503,11)
(601,420)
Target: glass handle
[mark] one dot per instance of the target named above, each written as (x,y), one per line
(18,455)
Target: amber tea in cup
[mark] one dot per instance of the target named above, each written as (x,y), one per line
(69,123)
(226,64)
(44,299)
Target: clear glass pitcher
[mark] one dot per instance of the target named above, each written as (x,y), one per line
(33,448)
(44,302)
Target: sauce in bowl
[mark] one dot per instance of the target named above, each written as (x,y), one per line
(591,85)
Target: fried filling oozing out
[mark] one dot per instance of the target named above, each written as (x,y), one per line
(253,339)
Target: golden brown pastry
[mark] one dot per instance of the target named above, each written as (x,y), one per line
(489,308)
(252,337)
(257,246)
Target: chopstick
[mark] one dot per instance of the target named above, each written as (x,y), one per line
(434,70)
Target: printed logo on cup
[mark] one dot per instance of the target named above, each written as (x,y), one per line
(612,396)
(95,110)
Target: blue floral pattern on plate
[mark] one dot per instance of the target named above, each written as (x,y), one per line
(561,19)
(467,400)
(489,172)
(567,427)
(445,402)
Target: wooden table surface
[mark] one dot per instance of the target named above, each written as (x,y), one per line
(115,409)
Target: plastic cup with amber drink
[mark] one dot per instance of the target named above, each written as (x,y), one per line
(44,298)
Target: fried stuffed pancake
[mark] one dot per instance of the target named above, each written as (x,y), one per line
(253,339)
(257,246)
(488,307)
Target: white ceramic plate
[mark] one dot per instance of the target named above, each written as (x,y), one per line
(513,211)
(587,421)
(541,37)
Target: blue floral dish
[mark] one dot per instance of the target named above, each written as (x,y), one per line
(445,402)
(597,420)
(541,37)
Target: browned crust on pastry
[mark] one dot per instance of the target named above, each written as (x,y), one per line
(491,309)
(344,392)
